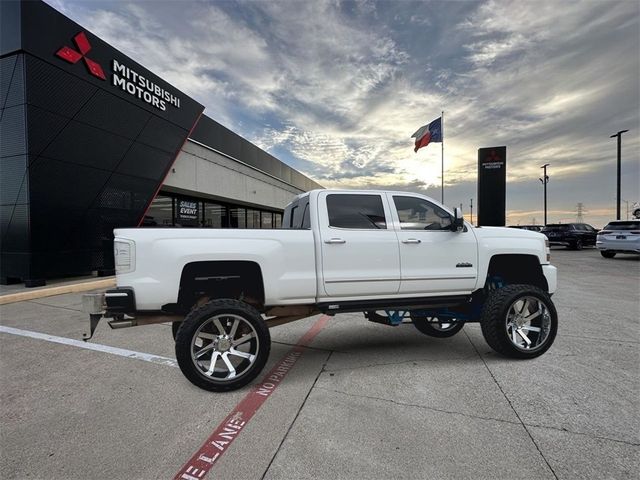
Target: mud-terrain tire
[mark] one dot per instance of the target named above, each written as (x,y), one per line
(214,330)
(500,317)
(432,327)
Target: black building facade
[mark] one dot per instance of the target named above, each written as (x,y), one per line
(87,136)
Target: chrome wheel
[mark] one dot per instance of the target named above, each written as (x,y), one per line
(528,323)
(435,327)
(440,326)
(224,347)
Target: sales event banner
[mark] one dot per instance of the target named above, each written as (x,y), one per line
(492,183)
(187,212)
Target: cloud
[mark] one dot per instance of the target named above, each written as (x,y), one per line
(335,89)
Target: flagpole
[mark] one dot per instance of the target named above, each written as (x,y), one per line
(442,148)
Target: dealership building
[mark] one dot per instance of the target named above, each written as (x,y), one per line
(91,141)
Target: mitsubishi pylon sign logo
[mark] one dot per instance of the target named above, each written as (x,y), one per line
(74,56)
(493,160)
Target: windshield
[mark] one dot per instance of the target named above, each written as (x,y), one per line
(559,227)
(631,225)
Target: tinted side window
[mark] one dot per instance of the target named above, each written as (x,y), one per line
(287,218)
(294,209)
(306,218)
(356,211)
(300,214)
(297,216)
(419,214)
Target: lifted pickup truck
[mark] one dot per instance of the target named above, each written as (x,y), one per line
(391,255)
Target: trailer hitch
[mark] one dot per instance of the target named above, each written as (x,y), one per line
(93,304)
(94,319)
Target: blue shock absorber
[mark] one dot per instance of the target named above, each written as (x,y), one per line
(495,283)
(396,316)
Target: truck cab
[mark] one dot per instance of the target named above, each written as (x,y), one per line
(371,243)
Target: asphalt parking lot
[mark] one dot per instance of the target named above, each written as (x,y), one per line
(362,401)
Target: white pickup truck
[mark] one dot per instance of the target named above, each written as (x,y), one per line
(391,255)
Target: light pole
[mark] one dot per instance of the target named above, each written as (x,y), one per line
(545,180)
(471,209)
(619,135)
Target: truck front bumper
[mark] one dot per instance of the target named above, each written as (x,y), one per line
(551,274)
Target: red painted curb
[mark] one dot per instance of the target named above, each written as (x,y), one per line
(225,433)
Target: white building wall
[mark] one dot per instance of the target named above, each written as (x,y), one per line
(202,170)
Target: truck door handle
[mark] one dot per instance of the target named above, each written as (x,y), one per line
(412,240)
(335,240)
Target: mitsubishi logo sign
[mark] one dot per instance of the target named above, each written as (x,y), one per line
(493,157)
(123,77)
(493,160)
(73,56)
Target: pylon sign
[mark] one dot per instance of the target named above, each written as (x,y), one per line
(492,185)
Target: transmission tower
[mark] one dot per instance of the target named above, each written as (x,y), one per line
(580,211)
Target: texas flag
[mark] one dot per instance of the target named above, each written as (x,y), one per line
(428,133)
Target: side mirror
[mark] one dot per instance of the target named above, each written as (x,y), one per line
(458,221)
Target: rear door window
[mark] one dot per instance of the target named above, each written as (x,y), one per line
(356,211)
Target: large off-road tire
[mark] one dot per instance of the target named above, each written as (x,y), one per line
(519,321)
(222,345)
(433,327)
(607,253)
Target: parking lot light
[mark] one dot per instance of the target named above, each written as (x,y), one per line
(619,136)
(545,180)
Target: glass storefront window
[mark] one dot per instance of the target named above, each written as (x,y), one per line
(237,218)
(253,218)
(215,216)
(266,220)
(160,213)
(169,210)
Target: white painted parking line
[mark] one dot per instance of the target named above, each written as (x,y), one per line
(121,352)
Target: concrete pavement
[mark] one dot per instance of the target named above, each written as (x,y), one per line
(364,400)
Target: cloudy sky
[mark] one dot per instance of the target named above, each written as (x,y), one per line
(335,89)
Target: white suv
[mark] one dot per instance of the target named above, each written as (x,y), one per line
(619,236)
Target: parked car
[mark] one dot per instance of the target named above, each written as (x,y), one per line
(571,235)
(533,228)
(619,236)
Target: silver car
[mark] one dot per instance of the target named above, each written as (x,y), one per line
(619,236)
